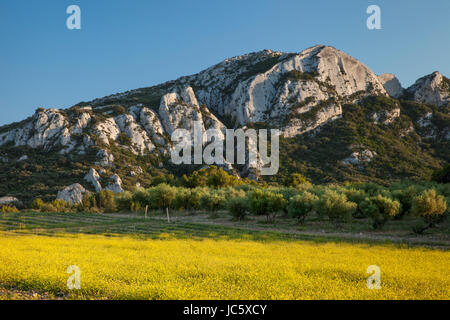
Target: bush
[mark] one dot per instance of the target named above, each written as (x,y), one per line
(61,206)
(266,203)
(405,196)
(380,209)
(295,180)
(335,206)
(431,207)
(139,199)
(238,207)
(124,201)
(8,209)
(300,205)
(89,204)
(106,201)
(357,196)
(163,196)
(213,201)
(47,207)
(196,197)
(181,201)
(37,204)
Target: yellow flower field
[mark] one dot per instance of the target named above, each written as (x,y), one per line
(128,268)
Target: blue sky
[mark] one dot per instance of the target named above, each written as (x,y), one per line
(137,43)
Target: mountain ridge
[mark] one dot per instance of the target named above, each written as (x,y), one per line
(302,94)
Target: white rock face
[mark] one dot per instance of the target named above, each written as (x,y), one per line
(431,89)
(152,125)
(116,185)
(81,123)
(177,113)
(324,115)
(359,156)
(425,121)
(73,193)
(8,200)
(139,138)
(107,130)
(334,74)
(94,178)
(40,131)
(106,158)
(391,85)
(23,158)
(386,116)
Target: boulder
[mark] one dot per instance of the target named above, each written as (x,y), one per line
(10,201)
(116,185)
(431,89)
(360,156)
(73,194)
(94,178)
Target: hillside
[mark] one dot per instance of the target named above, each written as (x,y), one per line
(339,122)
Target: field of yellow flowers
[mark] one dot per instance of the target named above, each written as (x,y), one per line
(124,267)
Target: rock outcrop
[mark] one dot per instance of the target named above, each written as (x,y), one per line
(116,185)
(8,200)
(293,92)
(73,194)
(432,89)
(391,85)
(360,156)
(94,178)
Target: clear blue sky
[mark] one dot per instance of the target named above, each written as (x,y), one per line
(137,43)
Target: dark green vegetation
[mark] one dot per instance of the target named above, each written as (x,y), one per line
(401,153)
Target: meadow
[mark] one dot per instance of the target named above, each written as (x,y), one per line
(127,257)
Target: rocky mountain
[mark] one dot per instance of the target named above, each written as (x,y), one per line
(332,111)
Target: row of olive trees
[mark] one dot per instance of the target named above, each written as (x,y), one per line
(335,202)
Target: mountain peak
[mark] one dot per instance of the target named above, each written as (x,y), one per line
(433,88)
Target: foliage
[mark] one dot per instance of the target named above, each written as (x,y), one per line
(238,207)
(213,201)
(8,209)
(442,175)
(301,205)
(162,196)
(335,206)
(431,207)
(37,204)
(296,179)
(266,203)
(380,209)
